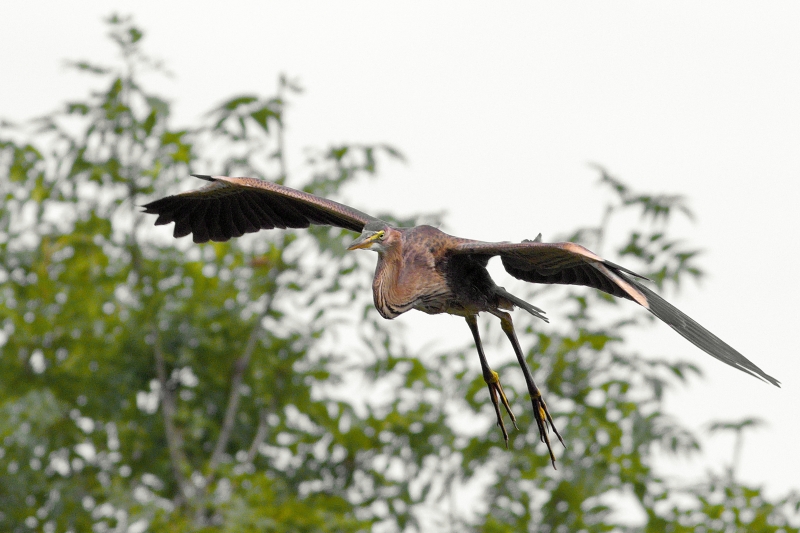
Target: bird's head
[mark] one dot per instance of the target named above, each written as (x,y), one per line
(376,236)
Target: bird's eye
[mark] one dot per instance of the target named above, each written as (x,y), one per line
(381,234)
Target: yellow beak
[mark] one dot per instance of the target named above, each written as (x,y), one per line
(363,241)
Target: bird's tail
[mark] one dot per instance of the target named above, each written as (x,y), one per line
(522,304)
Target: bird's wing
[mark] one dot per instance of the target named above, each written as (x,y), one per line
(231,207)
(564,263)
(572,264)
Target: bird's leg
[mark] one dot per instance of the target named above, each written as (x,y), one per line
(540,412)
(492,380)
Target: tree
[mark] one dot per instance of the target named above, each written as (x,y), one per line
(157,385)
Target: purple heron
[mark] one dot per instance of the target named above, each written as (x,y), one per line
(428,270)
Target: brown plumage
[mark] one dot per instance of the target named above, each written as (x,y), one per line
(425,269)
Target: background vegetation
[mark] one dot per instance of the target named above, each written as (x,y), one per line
(156,385)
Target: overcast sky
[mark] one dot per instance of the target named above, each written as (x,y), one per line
(499,108)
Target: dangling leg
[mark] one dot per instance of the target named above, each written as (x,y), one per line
(492,379)
(540,412)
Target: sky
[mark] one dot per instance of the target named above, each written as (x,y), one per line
(500,109)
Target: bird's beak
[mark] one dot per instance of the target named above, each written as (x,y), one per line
(364,240)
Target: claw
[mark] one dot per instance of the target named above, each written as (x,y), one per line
(540,412)
(497,395)
(543,420)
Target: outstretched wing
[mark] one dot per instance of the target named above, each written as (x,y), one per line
(231,207)
(572,264)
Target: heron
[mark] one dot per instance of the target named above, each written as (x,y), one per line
(425,269)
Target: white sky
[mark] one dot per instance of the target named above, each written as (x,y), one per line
(498,109)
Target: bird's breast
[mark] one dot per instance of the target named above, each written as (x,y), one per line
(409,281)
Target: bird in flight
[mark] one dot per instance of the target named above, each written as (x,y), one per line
(428,270)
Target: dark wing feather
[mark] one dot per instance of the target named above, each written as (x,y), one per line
(700,336)
(563,263)
(572,264)
(231,207)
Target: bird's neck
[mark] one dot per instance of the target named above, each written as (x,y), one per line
(384,284)
(388,268)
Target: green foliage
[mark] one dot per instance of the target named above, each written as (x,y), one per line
(165,386)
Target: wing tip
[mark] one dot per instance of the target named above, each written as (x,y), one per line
(151,207)
(763,376)
(689,329)
(755,372)
(627,271)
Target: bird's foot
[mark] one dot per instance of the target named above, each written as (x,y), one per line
(497,395)
(543,420)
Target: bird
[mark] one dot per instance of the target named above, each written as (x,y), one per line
(422,268)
